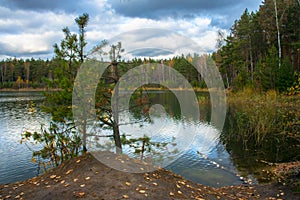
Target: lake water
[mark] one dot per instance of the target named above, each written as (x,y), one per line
(213,166)
(15,117)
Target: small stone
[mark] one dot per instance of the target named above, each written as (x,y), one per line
(87,178)
(179,192)
(171,194)
(142,191)
(125,196)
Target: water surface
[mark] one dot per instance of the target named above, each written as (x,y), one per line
(205,160)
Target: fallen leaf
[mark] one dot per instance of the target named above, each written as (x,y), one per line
(199,198)
(52,176)
(80,194)
(181,182)
(69,171)
(128,183)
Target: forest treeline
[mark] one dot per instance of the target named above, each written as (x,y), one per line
(262,51)
(263,48)
(31,73)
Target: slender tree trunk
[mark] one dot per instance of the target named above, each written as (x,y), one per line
(84,124)
(251,63)
(278,34)
(116,130)
(2,75)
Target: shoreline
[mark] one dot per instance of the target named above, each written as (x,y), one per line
(86,178)
(57,89)
(28,89)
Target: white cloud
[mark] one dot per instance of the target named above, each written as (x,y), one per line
(26,32)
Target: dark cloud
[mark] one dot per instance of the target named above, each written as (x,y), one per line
(36,5)
(160,9)
(150,52)
(68,6)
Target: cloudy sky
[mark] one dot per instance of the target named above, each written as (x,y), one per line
(29,28)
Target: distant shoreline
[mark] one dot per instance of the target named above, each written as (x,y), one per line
(57,89)
(27,89)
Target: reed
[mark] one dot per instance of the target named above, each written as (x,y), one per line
(258,116)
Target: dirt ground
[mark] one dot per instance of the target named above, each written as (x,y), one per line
(87,178)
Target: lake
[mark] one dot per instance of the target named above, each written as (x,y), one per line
(15,117)
(206,160)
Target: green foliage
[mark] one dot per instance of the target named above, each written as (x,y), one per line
(250,53)
(58,142)
(30,72)
(285,76)
(295,88)
(62,140)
